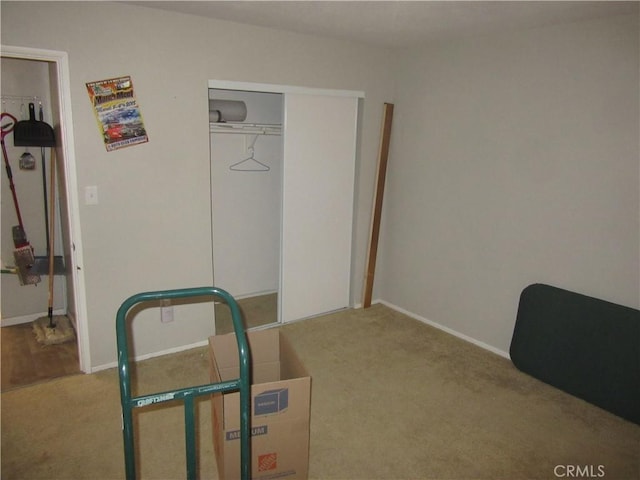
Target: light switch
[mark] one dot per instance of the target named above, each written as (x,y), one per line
(91,195)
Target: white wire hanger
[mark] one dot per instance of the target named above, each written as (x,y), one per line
(250,164)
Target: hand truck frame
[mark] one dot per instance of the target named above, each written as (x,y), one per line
(188,394)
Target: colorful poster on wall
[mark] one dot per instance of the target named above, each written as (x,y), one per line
(119,118)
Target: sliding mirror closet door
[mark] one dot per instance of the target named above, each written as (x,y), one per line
(317,204)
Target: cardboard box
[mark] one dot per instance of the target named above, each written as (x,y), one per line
(280,404)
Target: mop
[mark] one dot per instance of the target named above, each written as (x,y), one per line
(52,329)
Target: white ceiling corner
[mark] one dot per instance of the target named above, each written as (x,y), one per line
(397,24)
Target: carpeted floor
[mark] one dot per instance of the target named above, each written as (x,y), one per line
(392,398)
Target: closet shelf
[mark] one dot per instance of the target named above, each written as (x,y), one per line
(246,128)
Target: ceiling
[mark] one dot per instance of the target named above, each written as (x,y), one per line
(396,24)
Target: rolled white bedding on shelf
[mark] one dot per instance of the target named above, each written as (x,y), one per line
(227,111)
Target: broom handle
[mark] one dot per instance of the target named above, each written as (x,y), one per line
(44,185)
(5,130)
(52,187)
(12,187)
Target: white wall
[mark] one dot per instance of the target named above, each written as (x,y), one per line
(151,229)
(514,160)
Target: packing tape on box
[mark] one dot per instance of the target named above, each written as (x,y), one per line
(227,111)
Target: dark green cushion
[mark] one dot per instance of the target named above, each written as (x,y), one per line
(582,345)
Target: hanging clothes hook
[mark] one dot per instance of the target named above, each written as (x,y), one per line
(253,143)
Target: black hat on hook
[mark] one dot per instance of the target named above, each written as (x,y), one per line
(32,132)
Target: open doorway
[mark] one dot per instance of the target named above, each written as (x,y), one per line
(40,78)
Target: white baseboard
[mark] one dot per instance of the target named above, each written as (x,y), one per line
(383,302)
(8,322)
(446,329)
(146,356)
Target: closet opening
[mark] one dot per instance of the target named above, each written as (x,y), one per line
(282,199)
(41,77)
(246,155)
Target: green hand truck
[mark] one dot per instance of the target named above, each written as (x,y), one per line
(188,394)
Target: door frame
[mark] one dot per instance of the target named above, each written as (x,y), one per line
(274,88)
(66,153)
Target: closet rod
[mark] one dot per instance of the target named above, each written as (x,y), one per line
(19,102)
(31,98)
(246,128)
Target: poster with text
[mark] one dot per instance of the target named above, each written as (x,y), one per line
(117,112)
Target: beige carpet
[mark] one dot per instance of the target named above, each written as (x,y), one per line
(391,399)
